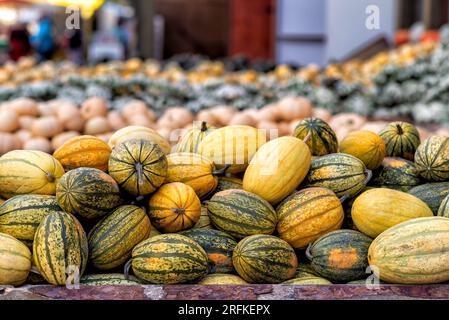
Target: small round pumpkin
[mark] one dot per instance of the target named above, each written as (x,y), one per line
(432,159)
(174,207)
(401,140)
(138,132)
(321,139)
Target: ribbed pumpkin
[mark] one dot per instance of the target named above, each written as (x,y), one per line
(401,140)
(321,139)
(15,261)
(342,173)
(191,139)
(138,166)
(366,146)
(277,168)
(264,259)
(340,256)
(226,183)
(169,259)
(87,192)
(83,151)
(309,280)
(139,133)
(241,213)
(204,220)
(109,279)
(193,170)
(376,210)
(413,252)
(432,194)
(396,173)
(443,210)
(21,215)
(218,246)
(60,247)
(222,279)
(232,145)
(28,172)
(307,214)
(112,240)
(432,159)
(174,207)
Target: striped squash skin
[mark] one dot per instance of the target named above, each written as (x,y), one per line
(218,245)
(222,279)
(309,280)
(432,159)
(193,170)
(277,169)
(87,192)
(108,279)
(138,166)
(413,252)
(60,244)
(169,259)
(339,172)
(307,214)
(28,172)
(84,151)
(322,139)
(204,220)
(304,270)
(341,255)
(226,183)
(112,240)
(366,146)
(192,138)
(401,139)
(376,210)
(174,207)
(398,174)
(15,261)
(21,215)
(432,194)
(241,213)
(232,145)
(139,133)
(264,259)
(443,210)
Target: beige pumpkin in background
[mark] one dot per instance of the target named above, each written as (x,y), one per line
(24,107)
(138,132)
(24,135)
(48,127)
(116,121)
(294,108)
(9,121)
(141,120)
(70,117)
(61,138)
(322,114)
(242,118)
(349,121)
(94,107)
(26,122)
(97,125)
(132,108)
(9,142)
(38,143)
(48,108)
(223,114)
(206,115)
(269,113)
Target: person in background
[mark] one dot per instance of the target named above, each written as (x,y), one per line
(43,41)
(121,33)
(19,42)
(75,46)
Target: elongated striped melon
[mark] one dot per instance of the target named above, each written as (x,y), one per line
(432,158)
(191,139)
(443,210)
(226,183)
(222,279)
(204,220)
(241,213)
(169,259)
(108,279)
(309,280)
(28,172)
(15,261)
(112,240)
(396,173)
(264,259)
(60,248)
(21,215)
(432,194)
(139,133)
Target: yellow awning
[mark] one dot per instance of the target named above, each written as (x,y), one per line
(87,7)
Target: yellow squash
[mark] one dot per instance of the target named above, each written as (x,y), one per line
(15,261)
(138,132)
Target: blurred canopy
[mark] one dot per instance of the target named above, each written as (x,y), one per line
(87,7)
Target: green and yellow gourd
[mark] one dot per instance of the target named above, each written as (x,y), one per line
(378,209)
(204,220)
(432,194)
(112,239)
(321,139)
(169,259)
(109,279)
(307,280)
(432,159)
(396,173)
(226,183)
(222,279)
(342,173)
(21,215)
(340,256)
(138,166)
(60,248)
(264,259)
(304,270)
(87,192)
(401,140)
(241,213)
(413,252)
(15,261)
(28,172)
(139,133)
(192,138)
(218,245)
(443,210)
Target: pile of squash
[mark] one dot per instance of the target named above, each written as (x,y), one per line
(230,205)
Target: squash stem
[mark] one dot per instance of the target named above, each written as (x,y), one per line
(34,270)
(178,210)
(344,198)
(50,177)
(308,254)
(204,126)
(139,169)
(221,172)
(127,267)
(307,137)
(369,175)
(400,131)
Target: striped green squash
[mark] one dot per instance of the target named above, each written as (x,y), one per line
(432,159)
(340,256)
(15,261)
(264,259)
(169,259)
(112,240)
(21,215)
(342,173)
(321,139)
(60,247)
(192,138)
(226,183)
(218,245)
(109,279)
(396,173)
(88,192)
(308,280)
(304,270)
(241,213)
(204,221)
(222,279)
(443,210)
(432,194)
(401,140)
